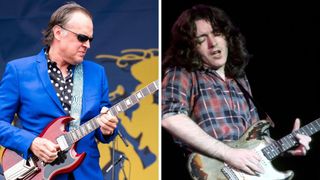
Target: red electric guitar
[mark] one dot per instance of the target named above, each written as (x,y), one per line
(15,167)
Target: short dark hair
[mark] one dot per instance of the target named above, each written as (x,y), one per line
(182,50)
(60,17)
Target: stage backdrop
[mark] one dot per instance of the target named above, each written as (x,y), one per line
(126,44)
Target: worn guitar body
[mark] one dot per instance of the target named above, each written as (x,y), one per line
(15,167)
(204,168)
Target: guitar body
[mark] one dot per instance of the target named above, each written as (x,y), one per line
(15,167)
(205,168)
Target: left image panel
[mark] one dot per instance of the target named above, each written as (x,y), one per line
(79,89)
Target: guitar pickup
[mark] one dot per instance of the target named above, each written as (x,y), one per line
(62,143)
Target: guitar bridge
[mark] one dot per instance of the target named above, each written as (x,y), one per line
(227,171)
(21,170)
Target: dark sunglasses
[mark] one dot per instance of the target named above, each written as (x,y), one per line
(81,37)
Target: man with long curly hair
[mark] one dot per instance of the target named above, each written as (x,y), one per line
(206,97)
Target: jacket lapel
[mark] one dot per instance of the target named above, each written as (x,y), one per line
(42,68)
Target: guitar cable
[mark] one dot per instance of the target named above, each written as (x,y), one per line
(123,139)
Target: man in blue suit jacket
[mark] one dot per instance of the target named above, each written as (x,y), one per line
(38,89)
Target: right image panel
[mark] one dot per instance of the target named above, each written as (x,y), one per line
(239,93)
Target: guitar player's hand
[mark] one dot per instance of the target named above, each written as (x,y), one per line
(246,160)
(44,149)
(107,122)
(303,140)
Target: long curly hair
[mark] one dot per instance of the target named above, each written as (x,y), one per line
(182,50)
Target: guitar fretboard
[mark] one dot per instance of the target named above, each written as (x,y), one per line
(92,124)
(274,149)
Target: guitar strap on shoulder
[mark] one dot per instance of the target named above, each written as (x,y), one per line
(76,102)
(262,114)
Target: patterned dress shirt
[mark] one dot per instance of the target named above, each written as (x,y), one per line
(218,106)
(62,85)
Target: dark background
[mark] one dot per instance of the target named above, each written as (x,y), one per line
(284,41)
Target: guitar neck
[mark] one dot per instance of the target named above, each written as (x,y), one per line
(276,148)
(92,124)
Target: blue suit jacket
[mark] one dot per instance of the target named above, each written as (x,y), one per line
(26,90)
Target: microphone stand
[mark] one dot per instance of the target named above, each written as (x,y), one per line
(113,164)
(121,159)
(122,169)
(126,143)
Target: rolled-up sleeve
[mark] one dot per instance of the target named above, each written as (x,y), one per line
(176,92)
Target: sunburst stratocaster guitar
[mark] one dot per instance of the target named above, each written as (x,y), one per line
(204,168)
(15,167)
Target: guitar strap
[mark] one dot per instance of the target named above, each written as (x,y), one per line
(262,114)
(76,102)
